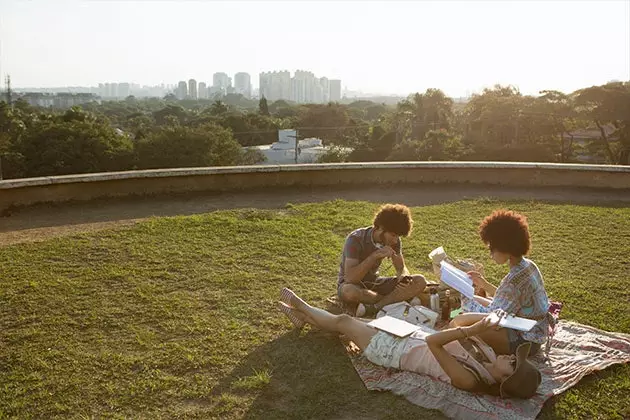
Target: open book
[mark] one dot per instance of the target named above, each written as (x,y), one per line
(515,322)
(457,279)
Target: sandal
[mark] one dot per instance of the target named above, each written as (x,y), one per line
(288,311)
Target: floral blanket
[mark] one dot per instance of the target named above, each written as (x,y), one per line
(577,350)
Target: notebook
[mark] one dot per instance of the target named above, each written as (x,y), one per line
(394,326)
(515,322)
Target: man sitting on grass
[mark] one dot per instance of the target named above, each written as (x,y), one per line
(363,252)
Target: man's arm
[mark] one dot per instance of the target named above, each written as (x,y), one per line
(355,270)
(398,261)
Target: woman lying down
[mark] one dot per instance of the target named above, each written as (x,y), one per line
(453,355)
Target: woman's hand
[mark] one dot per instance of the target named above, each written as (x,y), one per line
(489,321)
(478,280)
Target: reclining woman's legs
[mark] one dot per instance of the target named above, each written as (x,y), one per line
(358,331)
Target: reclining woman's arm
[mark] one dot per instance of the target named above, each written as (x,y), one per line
(461,377)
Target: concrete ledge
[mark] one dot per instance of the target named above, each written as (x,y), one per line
(23,192)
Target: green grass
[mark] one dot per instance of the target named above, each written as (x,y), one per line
(176,317)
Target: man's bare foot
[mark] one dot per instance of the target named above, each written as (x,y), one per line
(366,310)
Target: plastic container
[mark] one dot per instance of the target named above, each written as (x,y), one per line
(435,301)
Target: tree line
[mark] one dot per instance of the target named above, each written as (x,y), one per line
(498,124)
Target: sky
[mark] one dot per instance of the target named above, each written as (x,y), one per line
(384,47)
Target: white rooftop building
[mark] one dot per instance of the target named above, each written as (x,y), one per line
(283,151)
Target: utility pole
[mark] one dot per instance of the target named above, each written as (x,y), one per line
(296,145)
(296,137)
(9,93)
(8,80)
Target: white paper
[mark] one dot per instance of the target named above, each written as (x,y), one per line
(437,254)
(457,279)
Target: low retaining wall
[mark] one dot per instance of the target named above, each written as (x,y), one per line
(23,192)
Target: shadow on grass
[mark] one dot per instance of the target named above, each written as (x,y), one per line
(307,375)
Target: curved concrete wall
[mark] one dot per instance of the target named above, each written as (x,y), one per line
(21,192)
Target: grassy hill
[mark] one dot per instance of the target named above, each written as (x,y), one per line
(176,317)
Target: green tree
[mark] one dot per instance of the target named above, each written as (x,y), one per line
(334,154)
(169,114)
(74,142)
(437,145)
(283,109)
(252,129)
(327,122)
(609,104)
(490,118)
(179,147)
(431,110)
(558,118)
(263,108)
(219,108)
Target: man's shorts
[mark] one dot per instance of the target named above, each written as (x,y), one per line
(515,339)
(381,285)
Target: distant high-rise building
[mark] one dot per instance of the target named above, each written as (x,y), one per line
(302,88)
(203,91)
(192,89)
(305,88)
(275,85)
(182,90)
(335,90)
(298,88)
(111,90)
(222,81)
(325,84)
(264,85)
(124,90)
(243,84)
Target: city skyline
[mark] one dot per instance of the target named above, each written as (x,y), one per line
(378,48)
(303,87)
(241,83)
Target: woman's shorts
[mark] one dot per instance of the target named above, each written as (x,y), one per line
(385,350)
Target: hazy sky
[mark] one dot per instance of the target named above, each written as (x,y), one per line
(384,47)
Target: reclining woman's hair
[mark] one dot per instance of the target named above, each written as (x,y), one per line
(506,231)
(395,218)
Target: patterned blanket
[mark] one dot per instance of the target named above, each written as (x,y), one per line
(577,350)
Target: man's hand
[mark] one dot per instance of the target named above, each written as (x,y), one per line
(404,281)
(384,252)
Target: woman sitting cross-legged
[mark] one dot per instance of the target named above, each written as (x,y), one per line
(521,292)
(454,355)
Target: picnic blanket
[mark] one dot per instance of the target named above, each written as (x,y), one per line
(577,350)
